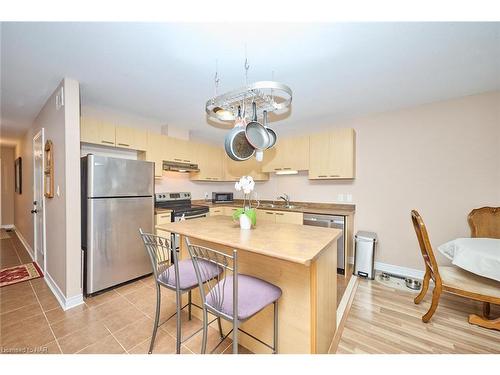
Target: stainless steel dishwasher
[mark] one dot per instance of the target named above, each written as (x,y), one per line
(330,221)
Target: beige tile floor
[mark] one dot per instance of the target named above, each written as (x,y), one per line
(118,321)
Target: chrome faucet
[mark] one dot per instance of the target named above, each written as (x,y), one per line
(286,198)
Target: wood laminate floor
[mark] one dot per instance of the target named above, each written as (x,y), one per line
(386,321)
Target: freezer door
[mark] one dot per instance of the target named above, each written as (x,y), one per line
(114,177)
(115,252)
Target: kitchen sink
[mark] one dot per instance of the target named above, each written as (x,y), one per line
(280,206)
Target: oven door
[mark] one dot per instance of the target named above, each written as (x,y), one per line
(176,238)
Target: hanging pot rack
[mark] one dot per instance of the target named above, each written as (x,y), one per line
(270,96)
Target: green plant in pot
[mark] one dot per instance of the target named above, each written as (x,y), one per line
(246,215)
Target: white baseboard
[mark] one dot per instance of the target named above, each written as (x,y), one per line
(7,226)
(25,244)
(396,270)
(66,303)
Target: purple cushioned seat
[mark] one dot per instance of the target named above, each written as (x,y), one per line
(253,295)
(187,274)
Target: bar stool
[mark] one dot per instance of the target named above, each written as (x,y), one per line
(235,298)
(167,271)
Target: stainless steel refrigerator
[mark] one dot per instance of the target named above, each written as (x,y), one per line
(117,200)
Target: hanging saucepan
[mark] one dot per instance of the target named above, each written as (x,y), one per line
(236,143)
(257,134)
(272,134)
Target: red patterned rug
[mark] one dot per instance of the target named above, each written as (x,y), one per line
(18,274)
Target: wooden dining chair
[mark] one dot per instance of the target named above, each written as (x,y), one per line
(449,279)
(484,222)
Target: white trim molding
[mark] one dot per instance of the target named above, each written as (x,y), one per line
(66,303)
(7,226)
(25,243)
(398,270)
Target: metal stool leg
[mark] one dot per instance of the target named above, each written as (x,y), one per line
(235,336)
(157,318)
(205,332)
(220,328)
(275,336)
(189,305)
(178,319)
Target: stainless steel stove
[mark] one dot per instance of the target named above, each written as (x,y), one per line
(182,209)
(181,206)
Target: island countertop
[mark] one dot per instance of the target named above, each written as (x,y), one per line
(291,242)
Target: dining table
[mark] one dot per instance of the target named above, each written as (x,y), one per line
(480,256)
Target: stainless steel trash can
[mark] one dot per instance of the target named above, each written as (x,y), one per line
(364,254)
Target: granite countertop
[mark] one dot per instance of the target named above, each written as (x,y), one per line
(291,242)
(304,207)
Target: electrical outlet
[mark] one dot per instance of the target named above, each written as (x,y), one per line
(206,196)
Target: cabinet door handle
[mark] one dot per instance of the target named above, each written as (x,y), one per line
(334,175)
(108,142)
(279,213)
(277,169)
(287,168)
(269,213)
(187,161)
(322,176)
(177,159)
(123,144)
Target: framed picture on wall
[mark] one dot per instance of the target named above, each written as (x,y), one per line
(18,172)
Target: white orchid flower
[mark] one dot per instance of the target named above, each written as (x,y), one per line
(237,186)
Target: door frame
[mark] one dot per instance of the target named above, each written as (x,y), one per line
(39,134)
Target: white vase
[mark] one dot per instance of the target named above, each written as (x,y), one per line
(245,222)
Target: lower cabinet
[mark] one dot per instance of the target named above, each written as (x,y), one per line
(280,217)
(217,211)
(162,218)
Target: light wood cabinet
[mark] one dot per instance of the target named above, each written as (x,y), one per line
(180,150)
(332,154)
(209,162)
(156,150)
(228,211)
(280,217)
(288,154)
(97,132)
(163,218)
(131,138)
(216,211)
(234,170)
(289,217)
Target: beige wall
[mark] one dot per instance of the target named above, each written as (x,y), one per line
(442,159)
(62,213)
(7,180)
(23,203)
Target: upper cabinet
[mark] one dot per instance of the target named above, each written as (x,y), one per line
(131,138)
(180,150)
(288,154)
(234,170)
(209,162)
(156,150)
(332,155)
(96,131)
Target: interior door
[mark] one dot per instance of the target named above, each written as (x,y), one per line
(38,200)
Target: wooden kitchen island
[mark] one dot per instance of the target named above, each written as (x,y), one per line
(301,260)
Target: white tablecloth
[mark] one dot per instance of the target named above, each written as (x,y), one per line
(477,255)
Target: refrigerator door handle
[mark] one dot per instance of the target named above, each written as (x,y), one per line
(90,244)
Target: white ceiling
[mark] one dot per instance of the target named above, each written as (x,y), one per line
(165,71)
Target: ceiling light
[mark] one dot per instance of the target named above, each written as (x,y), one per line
(223,114)
(288,171)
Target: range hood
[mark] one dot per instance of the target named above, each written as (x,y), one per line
(175,166)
